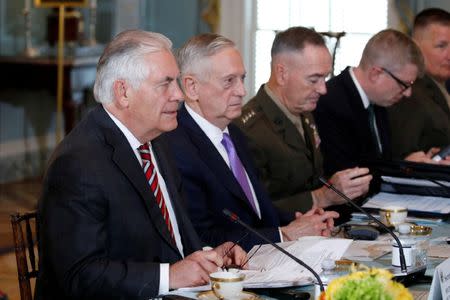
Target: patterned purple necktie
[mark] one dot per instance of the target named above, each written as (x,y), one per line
(238,169)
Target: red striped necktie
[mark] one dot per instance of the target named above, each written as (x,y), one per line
(152,178)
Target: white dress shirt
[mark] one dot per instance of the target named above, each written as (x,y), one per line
(134,143)
(362,94)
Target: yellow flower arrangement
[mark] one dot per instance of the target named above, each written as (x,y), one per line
(371,284)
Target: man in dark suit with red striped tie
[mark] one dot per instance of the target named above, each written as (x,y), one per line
(111,218)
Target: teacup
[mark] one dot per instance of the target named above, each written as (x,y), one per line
(393,215)
(227,285)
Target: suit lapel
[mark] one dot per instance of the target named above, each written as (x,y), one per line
(361,116)
(125,159)
(358,112)
(384,130)
(209,154)
(437,96)
(265,206)
(173,186)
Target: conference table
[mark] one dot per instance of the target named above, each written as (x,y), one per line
(419,289)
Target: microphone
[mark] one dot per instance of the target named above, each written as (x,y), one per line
(349,201)
(233,217)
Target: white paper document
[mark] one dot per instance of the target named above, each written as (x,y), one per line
(271,268)
(429,204)
(367,250)
(413,181)
(440,286)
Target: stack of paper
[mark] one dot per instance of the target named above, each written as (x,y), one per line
(271,268)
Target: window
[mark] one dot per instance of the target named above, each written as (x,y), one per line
(322,15)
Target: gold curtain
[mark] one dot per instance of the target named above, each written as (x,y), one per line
(406,15)
(211,14)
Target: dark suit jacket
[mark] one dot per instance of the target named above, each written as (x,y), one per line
(211,186)
(344,126)
(421,121)
(102,233)
(290,165)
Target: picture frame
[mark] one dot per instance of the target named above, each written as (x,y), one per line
(57,3)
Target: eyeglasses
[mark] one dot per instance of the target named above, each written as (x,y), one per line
(248,257)
(404,85)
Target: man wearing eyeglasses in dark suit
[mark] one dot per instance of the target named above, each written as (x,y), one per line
(352,118)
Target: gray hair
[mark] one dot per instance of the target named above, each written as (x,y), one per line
(295,39)
(191,57)
(392,49)
(124,59)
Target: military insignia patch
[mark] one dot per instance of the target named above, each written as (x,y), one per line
(245,118)
(315,132)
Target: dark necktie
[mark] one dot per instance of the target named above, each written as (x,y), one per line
(152,178)
(238,169)
(374,130)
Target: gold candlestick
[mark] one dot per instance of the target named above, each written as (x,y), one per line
(29,50)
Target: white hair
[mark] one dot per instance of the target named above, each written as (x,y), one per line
(124,59)
(191,57)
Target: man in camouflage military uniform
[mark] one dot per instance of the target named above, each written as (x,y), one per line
(282,131)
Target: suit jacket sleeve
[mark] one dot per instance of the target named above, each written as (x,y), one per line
(76,213)
(335,124)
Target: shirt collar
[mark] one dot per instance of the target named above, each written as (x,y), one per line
(214,133)
(132,140)
(293,118)
(364,98)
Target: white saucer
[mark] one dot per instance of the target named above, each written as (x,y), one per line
(209,295)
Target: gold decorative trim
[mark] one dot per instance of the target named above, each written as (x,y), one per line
(56,3)
(209,295)
(394,210)
(234,279)
(421,230)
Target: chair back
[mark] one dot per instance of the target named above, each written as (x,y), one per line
(25,240)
